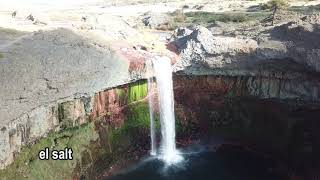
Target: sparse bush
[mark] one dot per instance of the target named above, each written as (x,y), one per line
(179,16)
(180,19)
(204,18)
(185,7)
(233,18)
(274,5)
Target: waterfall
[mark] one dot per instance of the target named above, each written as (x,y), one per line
(163,73)
(151,109)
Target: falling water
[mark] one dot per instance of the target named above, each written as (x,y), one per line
(163,74)
(151,109)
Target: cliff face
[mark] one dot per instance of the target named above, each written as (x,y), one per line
(43,72)
(103,130)
(273,114)
(261,90)
(261,87)
(270,115)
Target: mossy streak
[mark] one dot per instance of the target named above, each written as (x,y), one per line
(28,166)
(137,121)
(86,142)
(95,145)
(137,91)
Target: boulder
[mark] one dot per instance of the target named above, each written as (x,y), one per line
(202,48)
(157,20)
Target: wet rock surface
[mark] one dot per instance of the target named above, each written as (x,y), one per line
(221,109)
(103,130)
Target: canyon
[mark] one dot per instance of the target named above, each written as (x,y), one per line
(78,88)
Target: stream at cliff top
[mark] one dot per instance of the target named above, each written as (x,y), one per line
(226,165)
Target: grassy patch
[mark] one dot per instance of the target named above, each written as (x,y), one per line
(137,91)
(305,9)
(206,18)
(137,122)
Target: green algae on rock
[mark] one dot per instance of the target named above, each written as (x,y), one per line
(137,91)
(99,130)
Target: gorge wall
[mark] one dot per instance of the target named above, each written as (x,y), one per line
(102,130)
(274,115)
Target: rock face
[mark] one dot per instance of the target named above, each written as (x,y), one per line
(301,40)
(263,90)
(201,47)
(271,87)
(296,40)
(157,20)
(100,128)
(57,66)
(268,119)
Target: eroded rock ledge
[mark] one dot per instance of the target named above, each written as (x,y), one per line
(43,69)
(102,130)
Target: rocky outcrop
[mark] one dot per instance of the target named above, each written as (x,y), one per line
(37,90)
(157,20)
(56,64)
(224,109)
(201,47)
(270,87)
(294,40)
(100,129)
(301,40)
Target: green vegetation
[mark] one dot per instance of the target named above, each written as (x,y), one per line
(275,6)
(305,9)
(28,166)
(137,91)
(137,122)
(96,145)
(91,143)
(179,16)
(1,55)
(121,96)
(206,18)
